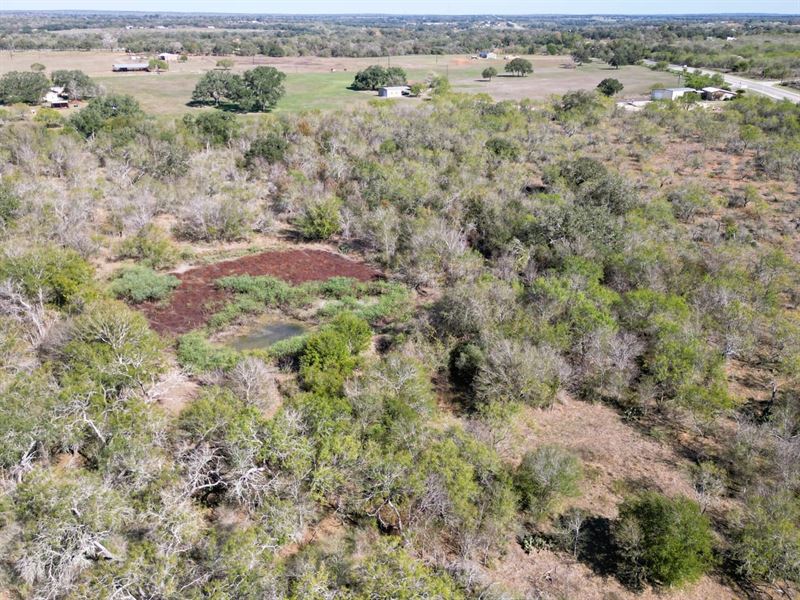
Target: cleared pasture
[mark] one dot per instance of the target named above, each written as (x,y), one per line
(318,83)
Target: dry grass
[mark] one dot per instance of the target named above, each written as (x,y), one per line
(548,574)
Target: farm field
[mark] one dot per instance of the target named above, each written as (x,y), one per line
(315,83)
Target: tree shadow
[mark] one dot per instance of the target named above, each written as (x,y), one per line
(224,106)
(597,549)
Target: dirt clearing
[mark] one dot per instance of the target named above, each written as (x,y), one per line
(197,297)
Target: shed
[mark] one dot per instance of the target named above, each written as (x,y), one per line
(394,91)
(714,93)
(487,54)
(124,67)
(168,56)
(671,93)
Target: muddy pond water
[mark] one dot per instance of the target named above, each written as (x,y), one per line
(265,334)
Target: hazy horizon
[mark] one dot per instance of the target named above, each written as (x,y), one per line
(422,7)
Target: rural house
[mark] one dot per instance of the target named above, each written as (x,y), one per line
(125,67)
(714,93)
(56,98)
(168,56)
(671,93)
(487,54)
(394,91)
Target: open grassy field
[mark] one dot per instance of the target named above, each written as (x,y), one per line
(322,83)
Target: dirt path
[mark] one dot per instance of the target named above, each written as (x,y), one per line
(197,297)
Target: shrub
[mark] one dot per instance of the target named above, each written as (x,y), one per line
(9,205)
(767,543)
(216,218)
(112,346)
(326,362)
(270,149)
(331,355)
(213,128)
(62,275)
(595,185)
(151,246)
(503,148)
(664,541)
(49,117)
(138,284)
(268,290)
(514,372)
(355,331)
(198,355)
(689,201)
(544,477)
(465,362)
(320,220)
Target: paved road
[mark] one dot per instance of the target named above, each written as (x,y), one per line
(765,88)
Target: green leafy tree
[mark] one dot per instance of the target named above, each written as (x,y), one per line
(263,87)
(489,73)
(158,65)
(581,55)
(376,76)
(25,87)
(226,64)
(698,80)
(519,67)
(665,541)
(610,86)
(102,111)
(77,84)
(214,86)
(38,67)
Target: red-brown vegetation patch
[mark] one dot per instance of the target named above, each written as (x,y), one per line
(197,297)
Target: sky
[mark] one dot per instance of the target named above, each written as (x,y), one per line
(421,6)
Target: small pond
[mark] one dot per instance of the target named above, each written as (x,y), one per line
(264,335)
